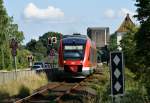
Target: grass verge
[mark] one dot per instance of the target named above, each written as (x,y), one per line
(134,91)
(22,87)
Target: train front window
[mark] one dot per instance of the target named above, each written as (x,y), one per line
(73,52)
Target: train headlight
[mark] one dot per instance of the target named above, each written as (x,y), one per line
(64,61)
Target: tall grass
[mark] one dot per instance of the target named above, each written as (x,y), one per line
(134,91)
(23,86)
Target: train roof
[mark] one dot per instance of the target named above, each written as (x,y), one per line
(75,36)
(77,39)
(83,38)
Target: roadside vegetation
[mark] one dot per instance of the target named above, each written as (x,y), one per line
(8,31)
(38,49)
(134,91)
(22,87)
(136,48)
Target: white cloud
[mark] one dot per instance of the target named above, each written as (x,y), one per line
(113,14)
(123,12)
(33,12)
(109,13)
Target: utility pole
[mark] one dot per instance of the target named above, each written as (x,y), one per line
(14,46)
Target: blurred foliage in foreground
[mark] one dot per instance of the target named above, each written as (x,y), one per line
(9,30)
(22,88)
(134,91)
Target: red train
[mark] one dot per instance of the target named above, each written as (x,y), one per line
(77,55)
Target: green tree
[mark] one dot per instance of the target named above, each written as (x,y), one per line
(15,33)
(44,40)
(40,49)
(128,45)
(113,42)
(142,38)
(143,12)
(31,45)
(37,49)
(7,30)
(4,22)
(22,60)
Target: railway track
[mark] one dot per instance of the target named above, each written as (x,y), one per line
(55,92)
(52,93)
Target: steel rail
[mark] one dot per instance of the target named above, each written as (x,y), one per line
(60,89)
(58,99)
(38,92)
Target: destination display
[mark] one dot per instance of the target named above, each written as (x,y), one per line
(68,47)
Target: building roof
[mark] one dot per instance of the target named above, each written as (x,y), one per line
(98,28)
(125,24)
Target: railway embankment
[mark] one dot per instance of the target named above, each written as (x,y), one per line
(134,91)
(93,90)
(21,87)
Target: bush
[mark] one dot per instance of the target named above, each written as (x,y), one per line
(22,87)
(134,90)
(23,92)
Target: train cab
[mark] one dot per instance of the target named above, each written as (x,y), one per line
(77,55)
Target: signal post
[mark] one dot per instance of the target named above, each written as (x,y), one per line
(14,46)
(51,42)
(117,76)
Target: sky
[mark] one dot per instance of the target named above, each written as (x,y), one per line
(36,17)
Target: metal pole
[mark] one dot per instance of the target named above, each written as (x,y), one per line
(116,99)
(113,99)
(15,66)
